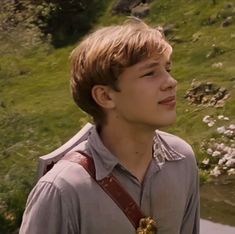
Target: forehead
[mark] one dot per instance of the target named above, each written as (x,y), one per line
(155,59)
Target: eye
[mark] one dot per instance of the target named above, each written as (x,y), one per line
(168,69)
(151,73)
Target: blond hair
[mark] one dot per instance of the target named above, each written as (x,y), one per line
(102,55)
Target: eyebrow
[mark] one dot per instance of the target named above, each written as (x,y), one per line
(153,64)
(149,65)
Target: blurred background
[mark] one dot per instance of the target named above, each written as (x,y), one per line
(37,113)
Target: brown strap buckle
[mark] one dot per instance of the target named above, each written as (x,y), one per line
(147,226)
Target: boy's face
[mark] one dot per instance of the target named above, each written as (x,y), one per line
(147,94)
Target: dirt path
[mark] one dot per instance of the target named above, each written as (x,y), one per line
(208,227)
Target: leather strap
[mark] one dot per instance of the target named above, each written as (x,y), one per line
(111,186)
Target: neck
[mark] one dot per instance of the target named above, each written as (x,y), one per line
(132,145)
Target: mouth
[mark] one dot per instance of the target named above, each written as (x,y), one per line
(169,101)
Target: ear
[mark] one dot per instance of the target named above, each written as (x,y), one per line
(102,96)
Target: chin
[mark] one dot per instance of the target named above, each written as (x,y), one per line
(167,122)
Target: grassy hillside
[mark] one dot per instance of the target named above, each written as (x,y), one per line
(37,113)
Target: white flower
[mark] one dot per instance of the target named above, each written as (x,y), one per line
(232,127)
(227,156)
(206,119)
(228,133)
(231,171)
(209,151)
(220,117)
(217,65)
(226,118)
(216,153)
(230,162)
(232,154)
(222,161)
(220,147)
(221,130)
(211,123)
(228,150)
(215,172)
(206,161)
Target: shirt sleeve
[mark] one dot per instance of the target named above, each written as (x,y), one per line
(46,212)
(191,221)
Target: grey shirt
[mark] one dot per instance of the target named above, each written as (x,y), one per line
(68,201)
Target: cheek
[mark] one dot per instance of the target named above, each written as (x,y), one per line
(140,97)
(141,92)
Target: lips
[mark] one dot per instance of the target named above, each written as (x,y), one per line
(168,101)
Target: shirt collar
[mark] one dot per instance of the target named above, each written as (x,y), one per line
(105,161)
(162,151)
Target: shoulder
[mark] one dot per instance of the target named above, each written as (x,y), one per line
(65,169)
(177,144)
(64,174)
(50,206)
(68,176)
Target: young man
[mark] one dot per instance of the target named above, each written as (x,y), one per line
(121,77)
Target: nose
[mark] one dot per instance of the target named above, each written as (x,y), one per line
(169,83)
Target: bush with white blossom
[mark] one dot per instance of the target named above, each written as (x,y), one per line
(219,151)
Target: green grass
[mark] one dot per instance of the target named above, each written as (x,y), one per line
(37,113)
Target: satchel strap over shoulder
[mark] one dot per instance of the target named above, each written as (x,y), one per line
(119,195)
